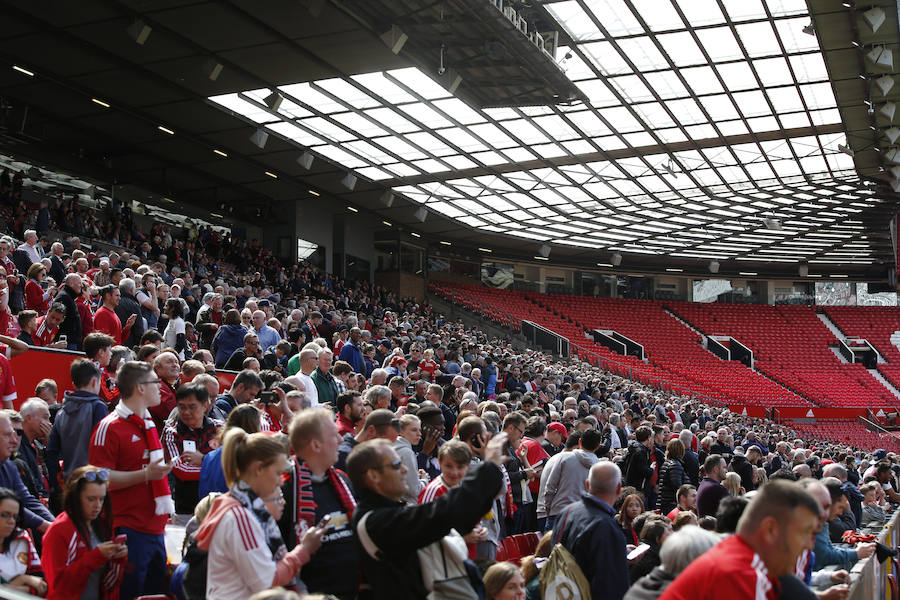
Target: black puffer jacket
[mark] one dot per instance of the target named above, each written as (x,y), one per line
(671,477)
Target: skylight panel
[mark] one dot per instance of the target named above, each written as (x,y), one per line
(556,128)
(737,76)
(327,129)
(493,135)
(818,95)
(719,43)
(548,150)
(621,118)
(401,170)
(459,162)
(631,88)
(390,119)
(701,12)
(292,132)
(759,39)
(429,143)
(607,60)
(577,147)
(681,47)
(362,126)
(752,103)
(671,135)
(687,111)
(419,82)
(773,71)
(370,152)
(244,108)
(641,138)
(304,93)
(489,158)
(809,67)
(340,156)
(461,138)
(524,131)
(426,115)
(517,155)
(445,208)
(702,80)
(383,88)
(659,15)
(574,20)
(720,107)
(374,173)
(666,84)
(348,92)
(791,33)
(744,10)
(642,53)
(458,111)
(588,123)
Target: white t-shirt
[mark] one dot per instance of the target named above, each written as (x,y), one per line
(170,335)
(311,392)
(19,558)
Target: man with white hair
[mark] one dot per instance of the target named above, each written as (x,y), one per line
(268,337)
(129,305)
(35,432)
(57,269)
(308,362)
(71,324)
(29,247)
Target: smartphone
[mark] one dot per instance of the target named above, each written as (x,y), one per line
(475,441)
(63,338)
(638,552)
(268,397)
(324,521)
(189,445)
(121,538)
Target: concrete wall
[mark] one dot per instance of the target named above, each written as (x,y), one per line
(403,284)
(314,223)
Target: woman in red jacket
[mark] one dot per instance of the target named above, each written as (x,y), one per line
(79,560)
(35,297)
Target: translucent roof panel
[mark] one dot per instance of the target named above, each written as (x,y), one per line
(703,124)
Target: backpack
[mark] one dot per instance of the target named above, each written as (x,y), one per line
(194,581)
(562,579)
(447,573)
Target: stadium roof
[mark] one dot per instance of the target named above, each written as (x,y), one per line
(664,130)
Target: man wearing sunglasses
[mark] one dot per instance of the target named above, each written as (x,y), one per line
(250,349)
(390,530)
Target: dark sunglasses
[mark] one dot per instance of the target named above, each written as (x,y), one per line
(101,475)
(395,465)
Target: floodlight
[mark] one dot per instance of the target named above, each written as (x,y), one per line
(387,198)
(714,266)
(773,224)
(615,259)
(846,149)
(895,185)
(809,29)
(892,156)
(874,18)
(349,181)
(888,109)
(892,134)
(139,32)
(544,250)
(421,213)
(885,83)
(259,138)
(213,69)
(274,100)
(881,57)
(305,160)
(895,171)
(803,269)
(394,39)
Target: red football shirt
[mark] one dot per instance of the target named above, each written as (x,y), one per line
(43,336)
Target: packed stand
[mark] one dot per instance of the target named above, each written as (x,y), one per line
(369,448)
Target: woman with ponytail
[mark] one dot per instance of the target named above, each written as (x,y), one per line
(245,551)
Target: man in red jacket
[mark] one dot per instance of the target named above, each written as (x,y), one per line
(776,527)
(105,319)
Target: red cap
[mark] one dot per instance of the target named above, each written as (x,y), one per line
(559,428)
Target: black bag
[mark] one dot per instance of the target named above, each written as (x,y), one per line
(194,580)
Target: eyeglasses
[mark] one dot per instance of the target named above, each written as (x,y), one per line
(8,516)
(98,475)
(394,464)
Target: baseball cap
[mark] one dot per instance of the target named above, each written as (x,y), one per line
(558,428)
(380,417)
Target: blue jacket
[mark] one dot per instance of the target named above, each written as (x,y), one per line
(826,553)
(70,436)
(35,513)
(227,339)
(212,476)
(589,531)
(855,498)
(350,353)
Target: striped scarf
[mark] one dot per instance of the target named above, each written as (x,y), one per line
(159,487)
(306,504)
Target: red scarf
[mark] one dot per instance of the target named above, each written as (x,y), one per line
(306,505)
(160,487)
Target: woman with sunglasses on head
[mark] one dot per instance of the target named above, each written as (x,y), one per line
(19,558)
(246,553)
(79,559)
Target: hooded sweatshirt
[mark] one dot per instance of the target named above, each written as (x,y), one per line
(562,481)
(228,339)
(70,436)
(240,562)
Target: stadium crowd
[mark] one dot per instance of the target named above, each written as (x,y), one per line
(368,447)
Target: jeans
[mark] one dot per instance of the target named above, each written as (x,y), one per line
(145,572)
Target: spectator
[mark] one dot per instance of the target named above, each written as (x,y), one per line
(825,552)
(325,384)
(632,506)
(681,549)
(672,475)
(393,530)
(562,481)
(349,408)
(175,328)
(107,321)
(250,349)
(308,357)
(79,557)
(314,490)
(35,515)
(654,532)
(36,298)
(588,530)
(127,307)
(245,387)
(19,561)
(35,431)
(711,490)
(71,325)
(351,353)
(212,475)
(228,338)
(167,369)
(46,328)
(873,514)
(380,423)
(776,527)
(268,337)
(686,498)
(240,533)
(98,348)
(126,443)
(640,467)
(186,440)
(504,581)
(410,436)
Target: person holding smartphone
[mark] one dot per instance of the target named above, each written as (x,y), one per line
(80,557)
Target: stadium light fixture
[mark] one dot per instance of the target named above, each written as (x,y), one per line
(213,69)
(881,57)
(387,198)
(421,214)
(616,259)
(139,32)
(888,109)
(259,138)
(892,134)
(846,149)
(274,100)
(809,29)
(305,160)
(714,266)
(892,156)
(23,70)
(885,83)
(349,181)
(165,130)
(803,270)
(544,250)
(874,18)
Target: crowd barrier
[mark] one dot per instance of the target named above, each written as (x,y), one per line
(869,576)
(42,363)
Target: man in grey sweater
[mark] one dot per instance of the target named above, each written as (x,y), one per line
(564,476)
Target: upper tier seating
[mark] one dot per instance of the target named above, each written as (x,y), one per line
(876,324)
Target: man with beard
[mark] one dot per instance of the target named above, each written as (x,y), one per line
(349,406)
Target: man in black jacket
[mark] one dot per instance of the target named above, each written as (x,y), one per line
(71,324)
(638,462)
(589,531)
(397,530)
(128,305)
